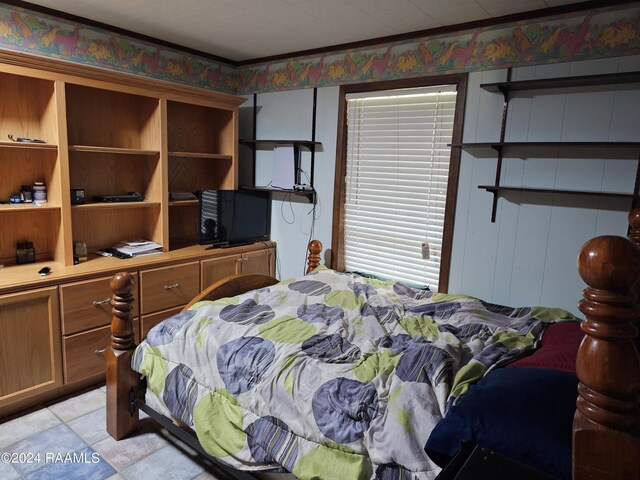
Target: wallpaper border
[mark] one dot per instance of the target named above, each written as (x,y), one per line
(601,33)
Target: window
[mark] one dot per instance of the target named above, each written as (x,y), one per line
(396,176)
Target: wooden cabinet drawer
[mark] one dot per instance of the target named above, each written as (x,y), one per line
(215,269)
(85,305)
(258,262)
(82,356)
(167,287)
(147,322)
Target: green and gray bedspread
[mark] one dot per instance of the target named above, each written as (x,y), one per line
(330,375)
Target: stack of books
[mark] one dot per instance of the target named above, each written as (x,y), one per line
(137,248)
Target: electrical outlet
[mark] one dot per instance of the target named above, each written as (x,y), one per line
(426,255)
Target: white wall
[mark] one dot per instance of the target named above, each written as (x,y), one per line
(288,116)
(528,256)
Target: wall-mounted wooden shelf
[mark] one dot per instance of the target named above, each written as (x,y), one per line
(501,145)
(565,82)
(494,189)
(544,84)
(297,145)
(309,145)
(310,195)
(271,144)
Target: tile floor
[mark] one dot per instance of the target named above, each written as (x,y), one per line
(77,426)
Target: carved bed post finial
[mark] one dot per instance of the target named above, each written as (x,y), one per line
(121,307)
(607,421)
(634,225)
(313,260)
(122,380)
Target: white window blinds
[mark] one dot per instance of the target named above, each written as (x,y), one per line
(396,182)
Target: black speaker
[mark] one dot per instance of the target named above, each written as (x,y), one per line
(77,196)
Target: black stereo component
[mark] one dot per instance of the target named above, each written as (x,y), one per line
(129,197)
(77,196)
(25,253)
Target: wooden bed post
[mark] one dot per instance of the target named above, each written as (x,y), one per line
(606,428)
(313,260)
(634,225)
(122,380)
(634,236)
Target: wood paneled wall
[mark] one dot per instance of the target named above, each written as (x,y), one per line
(528,256)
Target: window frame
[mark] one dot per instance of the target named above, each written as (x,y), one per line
(339,189)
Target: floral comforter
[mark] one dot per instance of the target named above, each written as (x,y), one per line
(330,375)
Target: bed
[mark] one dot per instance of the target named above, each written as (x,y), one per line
(336,376)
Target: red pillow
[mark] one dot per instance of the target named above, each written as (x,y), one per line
(558,348)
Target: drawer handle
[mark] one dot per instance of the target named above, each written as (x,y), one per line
(101,302)
(100,351)
(173,285)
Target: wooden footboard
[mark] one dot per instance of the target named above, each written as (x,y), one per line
(123,383)
(232,286)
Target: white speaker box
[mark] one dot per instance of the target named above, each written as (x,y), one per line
(283,167)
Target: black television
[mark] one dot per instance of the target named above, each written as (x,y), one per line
(234,217)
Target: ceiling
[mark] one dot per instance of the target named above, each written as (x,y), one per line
(248,29)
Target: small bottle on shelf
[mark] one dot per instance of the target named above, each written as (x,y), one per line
(39,192)
(26,194)
(80,252)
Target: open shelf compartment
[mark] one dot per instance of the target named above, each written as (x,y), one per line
(28,110)
(105,118)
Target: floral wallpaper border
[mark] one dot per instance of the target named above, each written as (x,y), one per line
(601,33)
(578,36)
(36,33)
